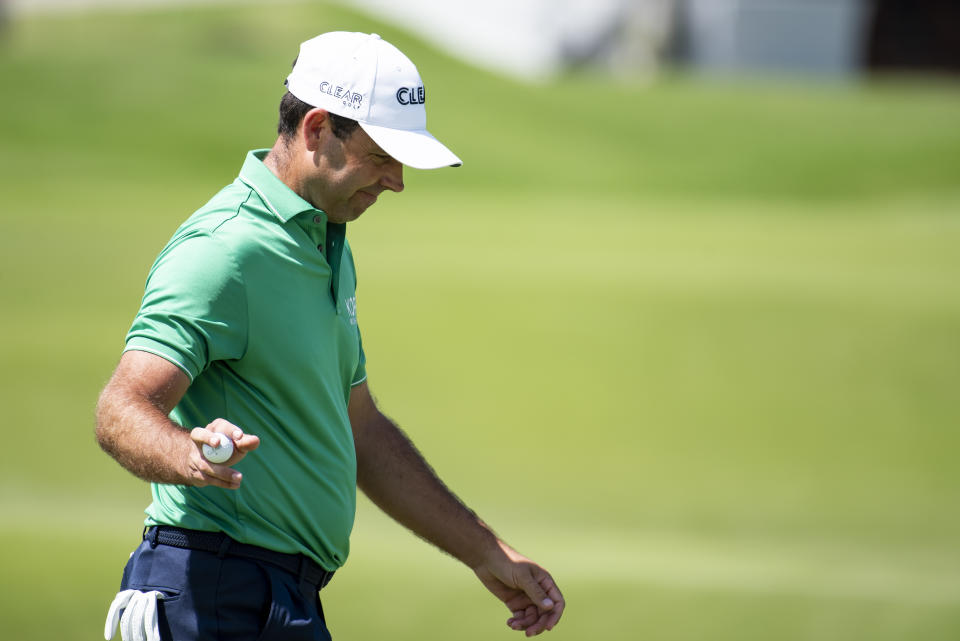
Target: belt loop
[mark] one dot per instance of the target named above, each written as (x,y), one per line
(153,533)
(224,546)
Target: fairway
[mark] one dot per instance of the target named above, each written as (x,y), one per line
(691,345)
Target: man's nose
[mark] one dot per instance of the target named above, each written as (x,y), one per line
(393,176)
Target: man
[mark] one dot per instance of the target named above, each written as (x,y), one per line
(248,328)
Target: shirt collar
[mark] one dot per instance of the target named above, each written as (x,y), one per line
(276,195)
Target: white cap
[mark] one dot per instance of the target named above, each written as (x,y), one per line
(361,76)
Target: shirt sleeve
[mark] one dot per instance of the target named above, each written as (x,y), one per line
(194,308)
(360,375)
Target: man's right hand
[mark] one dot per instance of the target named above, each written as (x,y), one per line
(202,471)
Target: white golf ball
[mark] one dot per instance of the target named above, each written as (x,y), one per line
(220,453)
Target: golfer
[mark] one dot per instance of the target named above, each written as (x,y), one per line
(248,327)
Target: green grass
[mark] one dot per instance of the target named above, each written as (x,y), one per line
(691,345)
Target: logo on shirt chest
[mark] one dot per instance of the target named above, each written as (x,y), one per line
(351,306)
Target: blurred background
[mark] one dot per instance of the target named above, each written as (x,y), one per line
(684,328)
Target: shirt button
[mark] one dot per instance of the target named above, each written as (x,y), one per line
(318,219)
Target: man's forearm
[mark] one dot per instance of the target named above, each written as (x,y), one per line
(141,437)
(393,473)
(396,477)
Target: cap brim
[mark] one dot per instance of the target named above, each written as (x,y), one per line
(417,149)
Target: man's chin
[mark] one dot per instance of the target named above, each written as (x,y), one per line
(365,200)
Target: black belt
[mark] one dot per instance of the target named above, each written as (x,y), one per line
(219,543)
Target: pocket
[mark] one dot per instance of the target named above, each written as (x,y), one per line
(139,574)
(291,618)
(169,594)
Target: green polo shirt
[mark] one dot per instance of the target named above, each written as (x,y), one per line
(254,299)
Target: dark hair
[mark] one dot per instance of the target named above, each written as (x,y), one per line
(292,111)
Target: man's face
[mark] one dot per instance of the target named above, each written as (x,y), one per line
(350,174)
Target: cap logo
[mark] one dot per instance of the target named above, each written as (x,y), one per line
(349,98)
(411,95)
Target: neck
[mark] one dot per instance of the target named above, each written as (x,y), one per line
(278,161)
(286,164)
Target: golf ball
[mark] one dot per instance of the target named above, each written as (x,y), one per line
(220,453)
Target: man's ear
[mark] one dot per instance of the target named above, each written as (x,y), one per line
(315,125)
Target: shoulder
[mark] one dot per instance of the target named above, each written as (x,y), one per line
(195,264)
(231,226)
(228,210)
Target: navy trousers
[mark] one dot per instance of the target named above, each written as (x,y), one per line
(208,597)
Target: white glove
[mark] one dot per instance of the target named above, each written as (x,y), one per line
(139,621)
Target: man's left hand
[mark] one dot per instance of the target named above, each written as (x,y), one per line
(527,589)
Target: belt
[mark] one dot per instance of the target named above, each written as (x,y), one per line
(219,543)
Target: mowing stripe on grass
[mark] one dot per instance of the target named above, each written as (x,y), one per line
(822,569)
